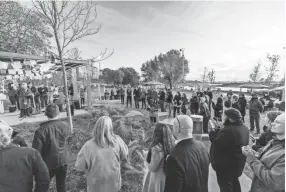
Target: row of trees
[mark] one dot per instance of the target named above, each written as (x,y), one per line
(271,71)
(208,76)
(123,75)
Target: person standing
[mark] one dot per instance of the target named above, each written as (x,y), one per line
(122,95)
(51,141)
(153,110)
(24,100)
(169,101)
(204,111)
(82,95)
(12,93)
(177,104)
(195,104)
(162,101)
(218,109)
(242,103)
(136,94)
(129,96)
(226,156)
(255,108)
(44,95)
(143,98)
(161,146)
(101,158)
(187,167)
(210,95)
(19,165)
(269,166)
(184,104)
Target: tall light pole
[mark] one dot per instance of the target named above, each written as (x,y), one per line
(183,60)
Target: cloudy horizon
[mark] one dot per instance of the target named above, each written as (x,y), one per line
(229,37)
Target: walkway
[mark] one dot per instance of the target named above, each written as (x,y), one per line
(13,118)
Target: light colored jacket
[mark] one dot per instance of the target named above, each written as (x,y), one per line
(269,170)
(102,165)
(155,179)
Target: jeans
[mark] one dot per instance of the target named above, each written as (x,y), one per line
(129,100)
(82,101)
(60,174)
(143,100)
(227,183)
(44,100)
(254,118)
(176,109)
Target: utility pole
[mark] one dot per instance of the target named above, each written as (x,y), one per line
(183,63)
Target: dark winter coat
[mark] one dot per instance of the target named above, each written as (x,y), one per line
(236,106)
(187,167)
(218,110)
(169,97)
(18,166)
(263,140)
(255,106)
(195,105)
(226,155)
(162,96)
(242,103)
(51,141)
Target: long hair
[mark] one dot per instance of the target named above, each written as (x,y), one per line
(103,132)
(162,136)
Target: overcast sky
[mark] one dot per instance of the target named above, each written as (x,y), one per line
(228,36)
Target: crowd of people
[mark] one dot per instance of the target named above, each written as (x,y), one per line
(176,161)
(32,100)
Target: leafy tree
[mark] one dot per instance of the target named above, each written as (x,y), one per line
(204,76)
(151,70)
(119,75)
(22,30)
(272,68)
(255,74)
(108,75)
(171,65)
(211,76)
(130,76)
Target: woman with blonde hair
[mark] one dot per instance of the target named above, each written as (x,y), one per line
(101,156)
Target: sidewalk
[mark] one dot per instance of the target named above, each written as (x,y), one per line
(13,118)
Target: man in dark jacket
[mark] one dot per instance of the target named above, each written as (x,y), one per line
(51,141)
(162,101)
(44,95)
(169,101)
(195,104)
(226,155)
(210,94)
(255,108)
(187,167)
(19,165)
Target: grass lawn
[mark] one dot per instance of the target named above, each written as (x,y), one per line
(137,137)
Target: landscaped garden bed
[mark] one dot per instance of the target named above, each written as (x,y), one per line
(137,138)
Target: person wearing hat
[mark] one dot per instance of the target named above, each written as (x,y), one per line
(267,135)
(19,165)
(269,166)
(187,166)
(255,108)
(226,157)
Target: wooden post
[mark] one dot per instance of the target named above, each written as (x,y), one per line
(88,84)
(74,83)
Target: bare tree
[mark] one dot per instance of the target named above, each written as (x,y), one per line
(255,74)
(204,77)
(211,76)
(70,21)
(272,68)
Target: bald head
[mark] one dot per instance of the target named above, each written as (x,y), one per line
(183,127)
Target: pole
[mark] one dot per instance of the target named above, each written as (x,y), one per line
(88,85)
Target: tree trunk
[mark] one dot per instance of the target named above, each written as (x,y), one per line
(64,75)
